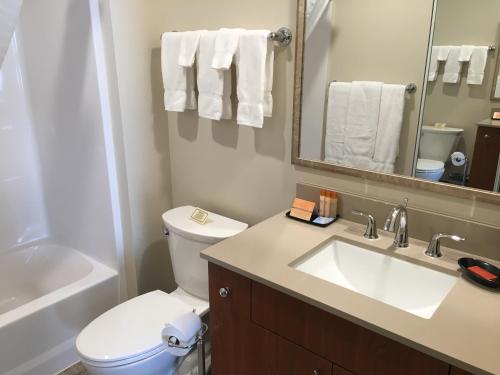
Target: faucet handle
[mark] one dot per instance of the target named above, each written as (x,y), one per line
(371,229)
(434,248)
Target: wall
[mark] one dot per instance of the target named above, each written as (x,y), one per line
(246,173)
(460,105)
(132,39)
(22,214)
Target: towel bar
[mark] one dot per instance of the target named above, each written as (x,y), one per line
(283,36)
(411,88)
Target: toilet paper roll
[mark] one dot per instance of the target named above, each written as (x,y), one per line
(185,328)
(458,159)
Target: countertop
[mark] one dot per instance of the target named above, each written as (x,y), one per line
(489,123)
(464,331)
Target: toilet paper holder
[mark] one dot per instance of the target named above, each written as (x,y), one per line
(174,342)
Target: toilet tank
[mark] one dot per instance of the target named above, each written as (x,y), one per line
(438,143)
(188,238)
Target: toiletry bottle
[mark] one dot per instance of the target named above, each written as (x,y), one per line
(322,203)
(327,204)
(334,205)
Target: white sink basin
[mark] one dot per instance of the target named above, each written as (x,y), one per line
(409,287)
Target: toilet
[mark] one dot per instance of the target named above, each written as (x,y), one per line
(126,340)
(436,146)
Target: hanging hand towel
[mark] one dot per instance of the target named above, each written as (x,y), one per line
(477,65)
(443,53)
(178,81)
(390,121)
(465,53)
(453,67)
(226,45)
(362,122)
(434,64)
(251,72)
(336,116)
(190,41)
(214,86)
(268,88)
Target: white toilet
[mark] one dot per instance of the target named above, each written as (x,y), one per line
(436,146)
(126,340)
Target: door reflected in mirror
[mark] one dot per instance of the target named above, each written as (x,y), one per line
(367,105)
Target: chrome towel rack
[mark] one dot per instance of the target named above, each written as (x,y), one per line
(492,48)
(283,36)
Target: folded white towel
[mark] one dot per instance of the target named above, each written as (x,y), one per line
(226,45)
(336,117)
(268,87)
(178,81)
(477,65)
(189,46)
(390,121)
(214,86)
(465,53)
(251,72)
(453,67)
(362,122)
(443,53)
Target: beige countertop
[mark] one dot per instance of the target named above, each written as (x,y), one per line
(464,331)
(489,123)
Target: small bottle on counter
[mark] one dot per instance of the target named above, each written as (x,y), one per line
(334,205)
(327,203)
(322,203)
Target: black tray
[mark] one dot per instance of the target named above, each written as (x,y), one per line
(314,217)
(465,263)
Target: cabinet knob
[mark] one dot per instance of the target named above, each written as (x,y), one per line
(224,292)
(316,372)
(486,136)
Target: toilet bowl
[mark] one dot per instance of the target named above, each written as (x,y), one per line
(431,170)
(436,146)
(127,340)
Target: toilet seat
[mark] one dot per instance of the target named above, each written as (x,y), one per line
(131,331)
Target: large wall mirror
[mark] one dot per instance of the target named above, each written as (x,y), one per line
(401,91)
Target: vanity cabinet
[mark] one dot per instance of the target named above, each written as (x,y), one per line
(255,329)
(486,158)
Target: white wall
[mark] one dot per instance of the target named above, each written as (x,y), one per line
(22,209)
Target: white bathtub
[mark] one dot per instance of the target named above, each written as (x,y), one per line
(48,293)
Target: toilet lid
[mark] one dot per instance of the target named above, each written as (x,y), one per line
(130,329)
(429,165)
(214,230)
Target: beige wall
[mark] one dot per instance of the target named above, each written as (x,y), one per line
(246,173)
(384,40)
(238,171)
(145,140)
(460,105)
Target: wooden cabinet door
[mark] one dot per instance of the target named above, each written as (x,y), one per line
(230,322)
(485,160)
(340,371)
(457,371)
(274,355)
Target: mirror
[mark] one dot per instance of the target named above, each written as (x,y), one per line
(382,98)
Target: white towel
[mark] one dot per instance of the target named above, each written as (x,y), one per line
(336,117)
(434,64)
(251,72)
(214,86)
(362,122)
(443,53)
(189,46)
(465,53)
(390,121)
(226,45)
(178,81)
(477,65)
(268,87)
(453,67)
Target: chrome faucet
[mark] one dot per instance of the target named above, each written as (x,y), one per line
(371,228)
(434,248)
(401,237)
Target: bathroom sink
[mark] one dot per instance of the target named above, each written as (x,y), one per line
(407,286)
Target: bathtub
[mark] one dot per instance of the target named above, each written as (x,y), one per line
(48,293)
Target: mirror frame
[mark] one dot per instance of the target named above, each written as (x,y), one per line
(495,77)
(394,179)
